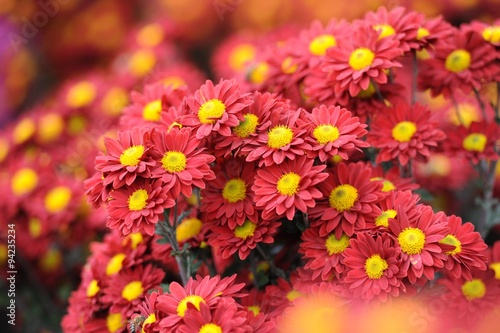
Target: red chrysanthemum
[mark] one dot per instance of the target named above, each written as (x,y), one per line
(467,249)
(180,162)
(349,200)
(404,133)
(432,30)
(215,109)
(281,189)
(489,32)
(127,158)
(97,194)
(392,204)
(280,296)
(333,131)
(494,259)
(373,267)
(392,180)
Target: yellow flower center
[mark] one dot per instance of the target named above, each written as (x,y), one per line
(174,82)
(279,136)
(383,219)
(259,73)
(152,111)
(132,155)
(387,184)
(135,239)
(210,328)
(246,230)
(241,55)
(235,190)
(142,62)
(422,33)
(496,267)
(50,127)
(188,228)
(114,322)
(34,227)
(255,309)
(138,200)
(247,126)
(151,35)
(288,184)
(452,240)
(4,149)
(23,131)
(293,294)
(210,111)
(132,290)
(149,320)
(326,133)
(321,43)
(336,246)
(24,181)
(115,264)
(193,299)
(174,161)
(492,34)
(343,197)
(57,199)
(475,142)
(368,92)
(361,58)
(384,30)
(288,67)
(468,113)
(458,61)
(51,260)
(404,131)
(81,94)
(375,266)
(474,289)
(76,124)
(92,288)
(438,164)
(411,240)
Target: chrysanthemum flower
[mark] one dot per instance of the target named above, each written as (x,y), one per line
(180,162)
(280,296)
(233,56)
(318,87)
(349,200)
(138,207)
(127,157)
(333,131)
(373,267)
(284,140)
(362,59)
(404,133)
(391,179)
(229,199)
(97,194)
(494,259)
(467,248)
(419,235)
(432,30)
(149,316)
(215,108)
(282,189)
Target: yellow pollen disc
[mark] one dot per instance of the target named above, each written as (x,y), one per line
(288,67)
(142,62)
(135,239)
(115,264)
(383,219)
(387,184)
(247,126)
(496,267)
(452,240)
(422,33)
(3,254)
(411,240)
(235,190)
(259,73)
(474,289)
(132,155)
(151,35)
(336,246)
(368,93)
(240,56)
(152,111)
(210,328)
(375,266)
(23,131)
(93,288)
(468,114)
(76,124)
(492,34)
(288,184)
(336,159)
(132,290)
(188,228)
(361,58)
(174,82)
(293,294)
(326,133)
(149,320)
(114,101)
(34,227)
(384,30)
(321,43)
(57,199)
(114,322)
(50,127)
(279,136)
(51,260)
(174,161)
(475,142)
(4,149)
(193,299)
(24,181)
(138,200)
(404,131)
(458,61)
(343,197)
(255,309)
(81,94)
(210,111)
(438,164)
(246,230)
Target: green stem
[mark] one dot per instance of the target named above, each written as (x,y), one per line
(276,270)
(481,105)
(180,257)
